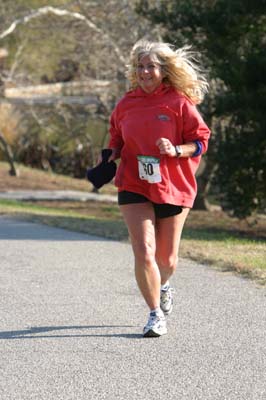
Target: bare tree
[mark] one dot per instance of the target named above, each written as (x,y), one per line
(3,143)
(9,154)
(63,13)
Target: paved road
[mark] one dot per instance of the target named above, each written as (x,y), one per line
(59,195)
(71,320)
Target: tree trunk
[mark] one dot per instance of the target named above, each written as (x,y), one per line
(204,177)
(9,155)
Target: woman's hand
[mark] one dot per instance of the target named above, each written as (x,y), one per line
(112,157)
(166,147)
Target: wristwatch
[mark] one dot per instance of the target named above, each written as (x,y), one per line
(178,150)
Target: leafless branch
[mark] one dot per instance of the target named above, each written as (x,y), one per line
(63,13)
(16,61)
(39,120)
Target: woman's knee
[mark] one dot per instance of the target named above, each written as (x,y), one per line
(144,253)
(168,261)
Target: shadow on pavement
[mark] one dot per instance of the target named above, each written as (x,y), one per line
(37,332)
(61,228)
(12,229)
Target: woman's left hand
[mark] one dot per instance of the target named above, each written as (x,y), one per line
(166,147)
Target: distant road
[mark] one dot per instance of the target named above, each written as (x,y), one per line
(58,195)
(71,319)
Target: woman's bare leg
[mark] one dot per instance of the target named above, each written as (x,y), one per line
(140,221)
(168,235)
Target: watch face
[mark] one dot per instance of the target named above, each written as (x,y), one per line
(178,150)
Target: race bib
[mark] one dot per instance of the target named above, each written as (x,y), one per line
(149,169)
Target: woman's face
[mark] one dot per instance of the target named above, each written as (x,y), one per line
(149,74)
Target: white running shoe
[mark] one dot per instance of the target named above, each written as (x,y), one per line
(166,300)
(156,326)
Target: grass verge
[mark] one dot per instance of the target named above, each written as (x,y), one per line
(210,239)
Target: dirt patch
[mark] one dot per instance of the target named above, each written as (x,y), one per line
(252,228)
(34,179)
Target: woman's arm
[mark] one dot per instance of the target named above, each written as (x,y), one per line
(116,141)
(183,150)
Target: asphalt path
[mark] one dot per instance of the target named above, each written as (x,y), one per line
(56,195)
(71,319)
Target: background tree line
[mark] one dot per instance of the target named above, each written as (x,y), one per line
(80,40)
(231,36)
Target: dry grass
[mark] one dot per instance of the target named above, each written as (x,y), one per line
(34,179)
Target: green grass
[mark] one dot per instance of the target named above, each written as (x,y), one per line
(16,207)
(217,246)
(108,228)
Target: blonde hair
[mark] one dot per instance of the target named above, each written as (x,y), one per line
(179,66)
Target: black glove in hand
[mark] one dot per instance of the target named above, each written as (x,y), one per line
(103,172)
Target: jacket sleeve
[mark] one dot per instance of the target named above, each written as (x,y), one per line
(194,128)
(116,140)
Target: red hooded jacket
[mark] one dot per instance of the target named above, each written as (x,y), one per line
(137,122)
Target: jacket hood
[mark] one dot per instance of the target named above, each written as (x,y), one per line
(139,92)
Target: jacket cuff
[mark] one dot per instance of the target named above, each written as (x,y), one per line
(199,148)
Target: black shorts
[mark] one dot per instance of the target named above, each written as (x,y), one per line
(161,210)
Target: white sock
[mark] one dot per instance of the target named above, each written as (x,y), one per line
(165,286)
(157,311)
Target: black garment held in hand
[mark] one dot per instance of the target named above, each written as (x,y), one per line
(104,172)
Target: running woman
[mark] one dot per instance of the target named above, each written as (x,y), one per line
(159,135)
